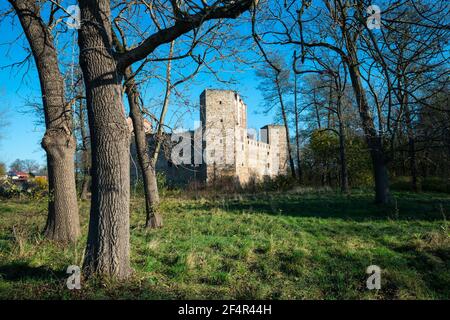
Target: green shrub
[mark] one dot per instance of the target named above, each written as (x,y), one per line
(9,190)
(31,188)
(430,184)
(278,183)
(138,187)
(436,184)
(401,183)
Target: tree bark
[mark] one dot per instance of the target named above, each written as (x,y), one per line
(153,218)
(85,155)
(145,161)
(297,132)
(108,250)
(410,133)
(286,127)
(58,142)
(373,140)
(342,154)
(413,162)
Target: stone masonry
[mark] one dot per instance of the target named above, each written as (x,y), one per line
(222,146)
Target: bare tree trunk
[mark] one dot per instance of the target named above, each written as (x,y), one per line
(411,138)
(373,140)
(343,159)
(340,88)
(153,218)
(286,126)
(108,248)
(85,187)
(85,155)
(413,162)
(342,141)
(297,132)
(159,131)
(59,141)
(147,166)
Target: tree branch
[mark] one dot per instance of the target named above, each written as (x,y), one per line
(220,10)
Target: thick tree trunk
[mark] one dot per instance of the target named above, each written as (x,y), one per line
(63,222)
(108,246)
(58,142)
(381,178)
(153,218)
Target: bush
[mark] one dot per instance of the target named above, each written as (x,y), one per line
(431,184)
(41,183)
(161,180)
(401,183)
(436,184)
(278,183)
(37,187)
(8,189)
(138,187)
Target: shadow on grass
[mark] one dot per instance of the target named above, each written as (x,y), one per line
(408,269)
(45,283)
(355,207)
(18,271)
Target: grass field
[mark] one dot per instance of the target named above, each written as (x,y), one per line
(295,245)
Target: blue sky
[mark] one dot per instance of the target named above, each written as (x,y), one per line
(22,134)
(21,137)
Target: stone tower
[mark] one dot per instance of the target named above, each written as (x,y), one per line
(222,149)
(275,136)
(229,149)
(223,117)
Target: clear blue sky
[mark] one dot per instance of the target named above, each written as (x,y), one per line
(18,87)
(22,134)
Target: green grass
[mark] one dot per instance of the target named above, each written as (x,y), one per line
(295,245)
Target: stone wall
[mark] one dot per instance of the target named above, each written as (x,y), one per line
(228,148)
(220,115)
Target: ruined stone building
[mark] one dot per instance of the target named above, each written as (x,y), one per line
(222,147)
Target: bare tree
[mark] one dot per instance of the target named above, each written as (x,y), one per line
(107,251)
(297,121)
(85,151)
(410,55)
(333,77)
(58,142)
(30,165)
(147,166)
(275,85)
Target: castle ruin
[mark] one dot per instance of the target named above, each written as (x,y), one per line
(222,146)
